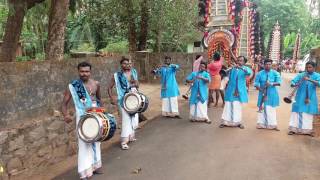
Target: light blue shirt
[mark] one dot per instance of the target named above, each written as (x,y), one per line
(199,89)
(240,75)
(304,88)
(272,91)
(169,85)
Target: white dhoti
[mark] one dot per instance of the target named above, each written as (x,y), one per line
(129,124)
(232,113)
(224,83)
(89,154)
(170,106)
(267,118)
(199,111)
(301,123)
(89,158)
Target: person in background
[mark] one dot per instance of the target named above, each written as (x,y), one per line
(214,68)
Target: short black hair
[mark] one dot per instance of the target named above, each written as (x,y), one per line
(167,57)
(123,59)
(204,63)
(216,56)
(84,64)
(197,56)
(267,61)
(311,63)
(244,58)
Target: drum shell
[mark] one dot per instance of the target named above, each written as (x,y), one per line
(125,99)
(145,103)
(107,127)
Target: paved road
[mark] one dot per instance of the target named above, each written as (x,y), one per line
(175,149)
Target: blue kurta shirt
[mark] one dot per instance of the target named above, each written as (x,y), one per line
(199,87)
(242,89)
(123,84)
(168,80)
(299,104)
(272,91)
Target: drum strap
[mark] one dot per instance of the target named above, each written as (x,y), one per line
(79,88)
(123,81)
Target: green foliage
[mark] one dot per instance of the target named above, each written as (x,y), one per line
(95,25)
(308,41)
(292,16)
(23,58)
(4,10)
(85,47)
(117,47)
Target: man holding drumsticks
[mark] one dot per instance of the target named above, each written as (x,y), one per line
(85,93)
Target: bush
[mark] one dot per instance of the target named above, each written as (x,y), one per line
(23,58)
(85,47)
(40,56)
(117,47)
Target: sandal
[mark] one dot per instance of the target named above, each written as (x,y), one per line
(133,140)
(208,121)
(124,146)
(290,133)
(241,126)
(221,126)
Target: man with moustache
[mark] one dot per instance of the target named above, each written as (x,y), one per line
(85,93)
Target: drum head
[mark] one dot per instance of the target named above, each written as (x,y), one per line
(132,102)
(90,128)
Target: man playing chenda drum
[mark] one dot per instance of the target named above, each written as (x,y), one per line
(124,80)
(85,93)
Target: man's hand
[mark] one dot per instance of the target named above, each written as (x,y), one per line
(268,84)
(199,77)
(306,78)
(67,118)
(134,83)
(237,66)
(112,101)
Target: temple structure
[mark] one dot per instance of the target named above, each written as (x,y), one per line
(275,44)
(235,24)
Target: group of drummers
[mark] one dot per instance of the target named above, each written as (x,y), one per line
(94,124)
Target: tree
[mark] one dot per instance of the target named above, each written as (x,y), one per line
(17,11)
(56,30)
(144,25)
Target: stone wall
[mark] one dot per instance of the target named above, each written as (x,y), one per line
(33,134)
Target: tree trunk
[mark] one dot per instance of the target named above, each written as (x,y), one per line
(13,29)
(144,25)
(158,41)
(132,37)
(17,11)
(56,30)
